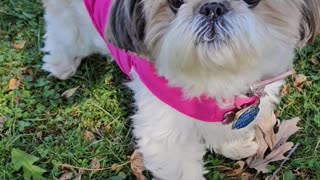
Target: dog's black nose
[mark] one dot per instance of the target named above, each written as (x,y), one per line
(213,10)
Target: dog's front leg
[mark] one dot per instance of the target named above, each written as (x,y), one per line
(70,37)
(173,161)
(168,141)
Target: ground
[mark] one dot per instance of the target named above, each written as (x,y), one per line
(94,122)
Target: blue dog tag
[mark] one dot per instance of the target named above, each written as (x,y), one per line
(245,116)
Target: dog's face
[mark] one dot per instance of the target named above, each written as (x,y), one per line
(196,38)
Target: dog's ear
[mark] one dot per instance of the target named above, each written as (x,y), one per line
(127,25)
(310,26)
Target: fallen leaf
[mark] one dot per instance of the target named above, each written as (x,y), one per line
(277,143)
(285,90)
(275,155)
(69,93)
(66,176)
(19,45)
(39,134)
(137,166)
(236,172)
(108,128)
(266,125)
(286,129)
(95,164)
(246,176)
(89,136)
(263,146)
(14,84)
(114,167)
(300,81)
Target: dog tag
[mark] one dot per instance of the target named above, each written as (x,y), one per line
(245,116)
(228,118)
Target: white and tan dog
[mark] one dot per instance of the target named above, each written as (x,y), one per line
(211,47)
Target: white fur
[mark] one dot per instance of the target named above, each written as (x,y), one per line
(171,143)
(70,37)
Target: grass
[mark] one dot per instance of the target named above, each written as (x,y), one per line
(40,122)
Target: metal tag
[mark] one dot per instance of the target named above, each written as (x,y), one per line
(245,116)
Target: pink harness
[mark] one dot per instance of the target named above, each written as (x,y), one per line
(203,109)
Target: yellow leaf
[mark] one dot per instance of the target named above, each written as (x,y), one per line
(19,45)
(88,136)
(108,128)
(285,90)
(114,167)
(300,81)
(14,84)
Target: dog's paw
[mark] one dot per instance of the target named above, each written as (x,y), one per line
(60,69)
(240,149)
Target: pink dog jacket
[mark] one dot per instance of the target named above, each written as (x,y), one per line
(203,109)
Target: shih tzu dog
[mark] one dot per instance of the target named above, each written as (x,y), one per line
(212,48)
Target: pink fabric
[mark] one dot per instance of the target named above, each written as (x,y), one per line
(203,109)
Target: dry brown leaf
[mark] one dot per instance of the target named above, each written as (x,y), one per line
(275,155)
(300,81)
(286,129)
(137,166)
(89,136)
(19,45)
(236,172)
(114,167)
(69,93)
(285,90)
(39,134)
(237,169)
(14,84)
(246,176)
(66,176)
(95,164)
(277,143)
(266,125)
(108,128)
(263,146)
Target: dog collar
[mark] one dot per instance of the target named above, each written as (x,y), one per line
(203,109)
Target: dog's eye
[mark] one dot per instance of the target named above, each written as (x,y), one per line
(252,3)
(175,5)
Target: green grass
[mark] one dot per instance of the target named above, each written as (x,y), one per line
(40,122)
